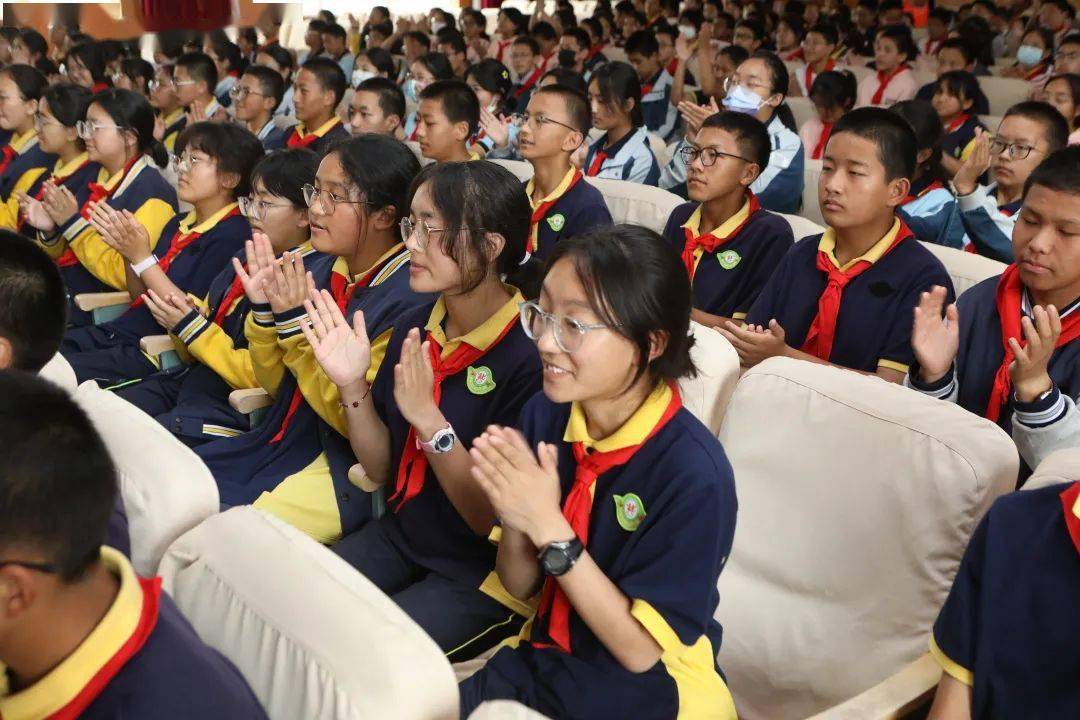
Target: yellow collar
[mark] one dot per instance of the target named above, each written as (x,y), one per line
(62,170)
(136,168)
(474,156)
(341,265)
(22,143)
(693,223)
(174,116)
(633,431)
(301,129)
(557,193)
(481,337)
(827,245)
(67,679)
(205,225)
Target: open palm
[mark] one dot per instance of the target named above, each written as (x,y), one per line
(343,352)
(935,339)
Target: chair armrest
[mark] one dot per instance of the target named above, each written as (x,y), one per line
(156,345)
(893,697)
(93,301)
(249,400)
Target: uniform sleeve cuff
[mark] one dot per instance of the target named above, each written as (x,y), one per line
(288,323)
(1042,411)
(950,666)
(262,315)
(940,388)
(972,200)
(190,327)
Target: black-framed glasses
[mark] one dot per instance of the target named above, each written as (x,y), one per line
(569,333)
(537,121)
(239,92)
(327,200)
(39,567)
(1016,151)
(708,155)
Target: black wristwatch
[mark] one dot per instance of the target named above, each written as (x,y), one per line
(558,557)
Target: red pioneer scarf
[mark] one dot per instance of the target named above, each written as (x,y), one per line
(709,242)
(809,75)
(823,139)
(883,82)
(1069,499)
(541,212)
(529,82)
(98,193)
(296,140)
(55,179)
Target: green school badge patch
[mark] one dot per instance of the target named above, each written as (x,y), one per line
(629,511)
(479,380)
(556,222)
(729,259)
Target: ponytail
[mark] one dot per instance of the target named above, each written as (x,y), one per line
(132,111)
(158,153)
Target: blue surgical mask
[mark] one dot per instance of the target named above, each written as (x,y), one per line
(743,100)
(410,90)
(360,76)
(1029,55)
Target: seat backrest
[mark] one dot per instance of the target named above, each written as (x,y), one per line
(165,487)
(707,394)
(521,169)
(637,204)
(505,710)
(859,70)
(1003,92)
(802,108)
(965,269)
(60,373)
(313,637)
(1059,467)
(857,498)
(811,210)
(990,121)
(284,121)
(615,54)
(801,227)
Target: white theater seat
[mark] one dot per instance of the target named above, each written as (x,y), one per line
(521,169)
(707,394)
(637,204)
(166,489)
(1003,92)
(811,209)
(59,372)
(802,108)
(1061,466)
(966,269)
(801,227)
(313,637)
(857,498)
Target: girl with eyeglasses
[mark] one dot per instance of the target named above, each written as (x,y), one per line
(295,462)
(616,504)
(85,65)
(59,111)
(171,115)
(452,367)
(21,88)
(208,331)
(119,135)
(135,74)
(214,168)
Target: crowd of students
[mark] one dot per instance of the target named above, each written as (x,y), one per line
(499,357)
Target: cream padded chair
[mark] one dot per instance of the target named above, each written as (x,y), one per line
(521,169)
(1003,92)
(285,121)
(1059,467)
(313,637)
(707,395)
(59,372)
(811,209)
(857,498)
(801,227)
(990,121)
(637,204)
(965,269)
(802,108)
(165,487)
(505,710)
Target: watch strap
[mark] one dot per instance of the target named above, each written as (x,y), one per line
(143,265)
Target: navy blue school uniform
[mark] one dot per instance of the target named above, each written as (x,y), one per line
(630,159)
(74,175)
(325,136)
(423,553)
(726,282)
(873,326)
(578,209)
(980,105)
(661,117)
(273,137)
(959,138)
(172,675)
(28,158)
(175,122)
(295,462)
(110,353)
(667,563)
(1009,625)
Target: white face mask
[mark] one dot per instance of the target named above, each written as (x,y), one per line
(688,31)
(437,25)
(360,76)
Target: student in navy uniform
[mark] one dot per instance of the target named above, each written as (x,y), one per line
(22,159)
(930,210)
(954,102)
(1004,637)
(447,120)
(295,462)
(661,117)
(256,95)
(1007,350)
(729,264)
(563,203)
(172,116)
(622,152)
(616,504)
(377,106)
(318,89)
(451,369)
(1029,132)
(214,168)
(208,332)
(846,297)
(60,110)
(195,77)
(119,136)
(527,64)
(83,635)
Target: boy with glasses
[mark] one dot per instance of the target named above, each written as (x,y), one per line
(729,264)
(1028,133)
(171,119)
(255,98)
(195,77)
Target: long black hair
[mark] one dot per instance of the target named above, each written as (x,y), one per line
(381,168)
(617,83)
(929,134)
(131,111)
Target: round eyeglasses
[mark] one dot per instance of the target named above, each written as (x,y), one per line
(569,333)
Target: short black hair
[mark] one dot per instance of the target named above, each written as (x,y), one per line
(33,302)
(91,56)
(827,31)
(234,148)
(317,25)
(200,68)
(68,104)
(567,78)
(617,82)
(943,14)
(380,168)
(1060,172)
(279,55)
(391,98)
(438,64)
(381,59)
(754,27)
(576,103)
(962,84)
(639,288)
(270,82)
(959,44)
(895,140)
(227,51)
(544,30)
(736,53)
(1072,38)
(900,34)
(1054,124)
(642,42)
(458,101)
(778,72)
(581,38)
(335,30)
(28,79)
(749,132)
(519,19)
(285,172)
(58,485)
(528,41)
(478,194)
(452,37)
(329,75)
(132,111)
(139,71)
(419,37)
(34,41)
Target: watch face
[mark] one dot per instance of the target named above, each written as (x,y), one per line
(556,561)
(444,443)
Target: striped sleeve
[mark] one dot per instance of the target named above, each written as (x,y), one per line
(213,347)
(266,356)
(9,210)
(989,228)
(1046,425)
(104,263)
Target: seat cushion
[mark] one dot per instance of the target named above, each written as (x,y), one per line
(1059,467)
(966,269)
(637,204)
(313,637)
(505,710)
(59,372)
(165,487)
(856,500)
(707,394)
